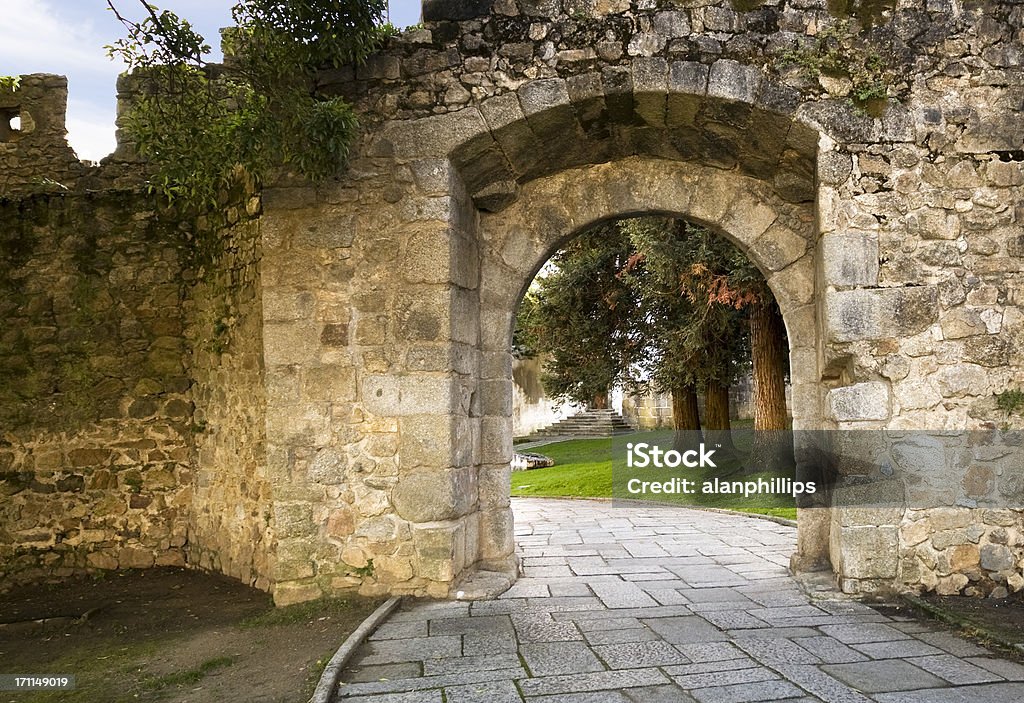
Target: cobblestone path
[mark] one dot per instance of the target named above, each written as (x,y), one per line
(651,604)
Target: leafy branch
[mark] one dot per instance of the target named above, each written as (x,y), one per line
(195,123)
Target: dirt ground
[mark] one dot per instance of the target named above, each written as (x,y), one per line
(1003,617)
(997,623)
(169,635)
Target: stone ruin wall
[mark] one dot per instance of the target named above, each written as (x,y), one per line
(131,379)
(359,326)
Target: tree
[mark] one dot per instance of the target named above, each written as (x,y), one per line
(195,123)
(580,315)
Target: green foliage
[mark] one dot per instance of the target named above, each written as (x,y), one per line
(841,52)
(195,123)
(642,301)
(1010,401)
(579,314)
(690,336)
(10,83)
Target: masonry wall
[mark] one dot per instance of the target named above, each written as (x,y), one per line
(95,411)
(230,522)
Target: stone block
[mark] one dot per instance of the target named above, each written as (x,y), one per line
(400,396)
(884,313)
(732,80)
(869,552)
(457,10)
(850,258)
(440,550)
(433,495)
(291,593)
(861,401)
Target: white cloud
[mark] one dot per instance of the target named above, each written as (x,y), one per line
(36,36)
(90,130)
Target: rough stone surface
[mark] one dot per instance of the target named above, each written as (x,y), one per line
(329,366)
(841,650)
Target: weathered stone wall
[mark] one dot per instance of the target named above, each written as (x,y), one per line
(230,522)
(890,235)
(95,414)
(36,157)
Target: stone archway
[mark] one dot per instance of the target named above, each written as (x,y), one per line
(778,237)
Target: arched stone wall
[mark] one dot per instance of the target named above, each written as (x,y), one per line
(380,302)
(779,238)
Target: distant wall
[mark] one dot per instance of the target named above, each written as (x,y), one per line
(531,408)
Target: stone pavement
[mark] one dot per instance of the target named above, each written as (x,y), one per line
(651,604)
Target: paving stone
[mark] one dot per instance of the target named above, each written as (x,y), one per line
(1009,670)
(686,630)
(592,697)
(681,610)
(526,587)
(829,650)
(540,627)
(570,589)
(726,677)
(861,633)
(587,624)
(400,630)
(458,665)
(638,655)
(820,685)
(948,642)
(424,683)
(428,610)
(711,666)
(486,643)
(896,650)
(376,672)
(622,594)
(710,651)
(597,681)
(412,649)
(773,633)
(407,697)
(986,693)
(748,693)
(955,670)
(883,676)
(553,658)
(484,692)
(640,634)
(479,623)
(733,619)
(776,651)
(658,694)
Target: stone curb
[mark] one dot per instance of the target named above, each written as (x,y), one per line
(332,672)
(965,625)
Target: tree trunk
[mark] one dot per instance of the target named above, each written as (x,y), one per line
(717,427)
(685,416)
(773,446)
(600,401)
(716,406)
(768,349)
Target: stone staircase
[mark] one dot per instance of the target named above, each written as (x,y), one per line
(589,423)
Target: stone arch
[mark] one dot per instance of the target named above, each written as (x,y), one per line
(777,236)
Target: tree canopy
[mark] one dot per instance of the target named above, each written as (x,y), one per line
(651,302)
(195,123)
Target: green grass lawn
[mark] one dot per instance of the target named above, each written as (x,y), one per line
(583,469)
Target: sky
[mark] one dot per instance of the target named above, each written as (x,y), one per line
(67,37)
